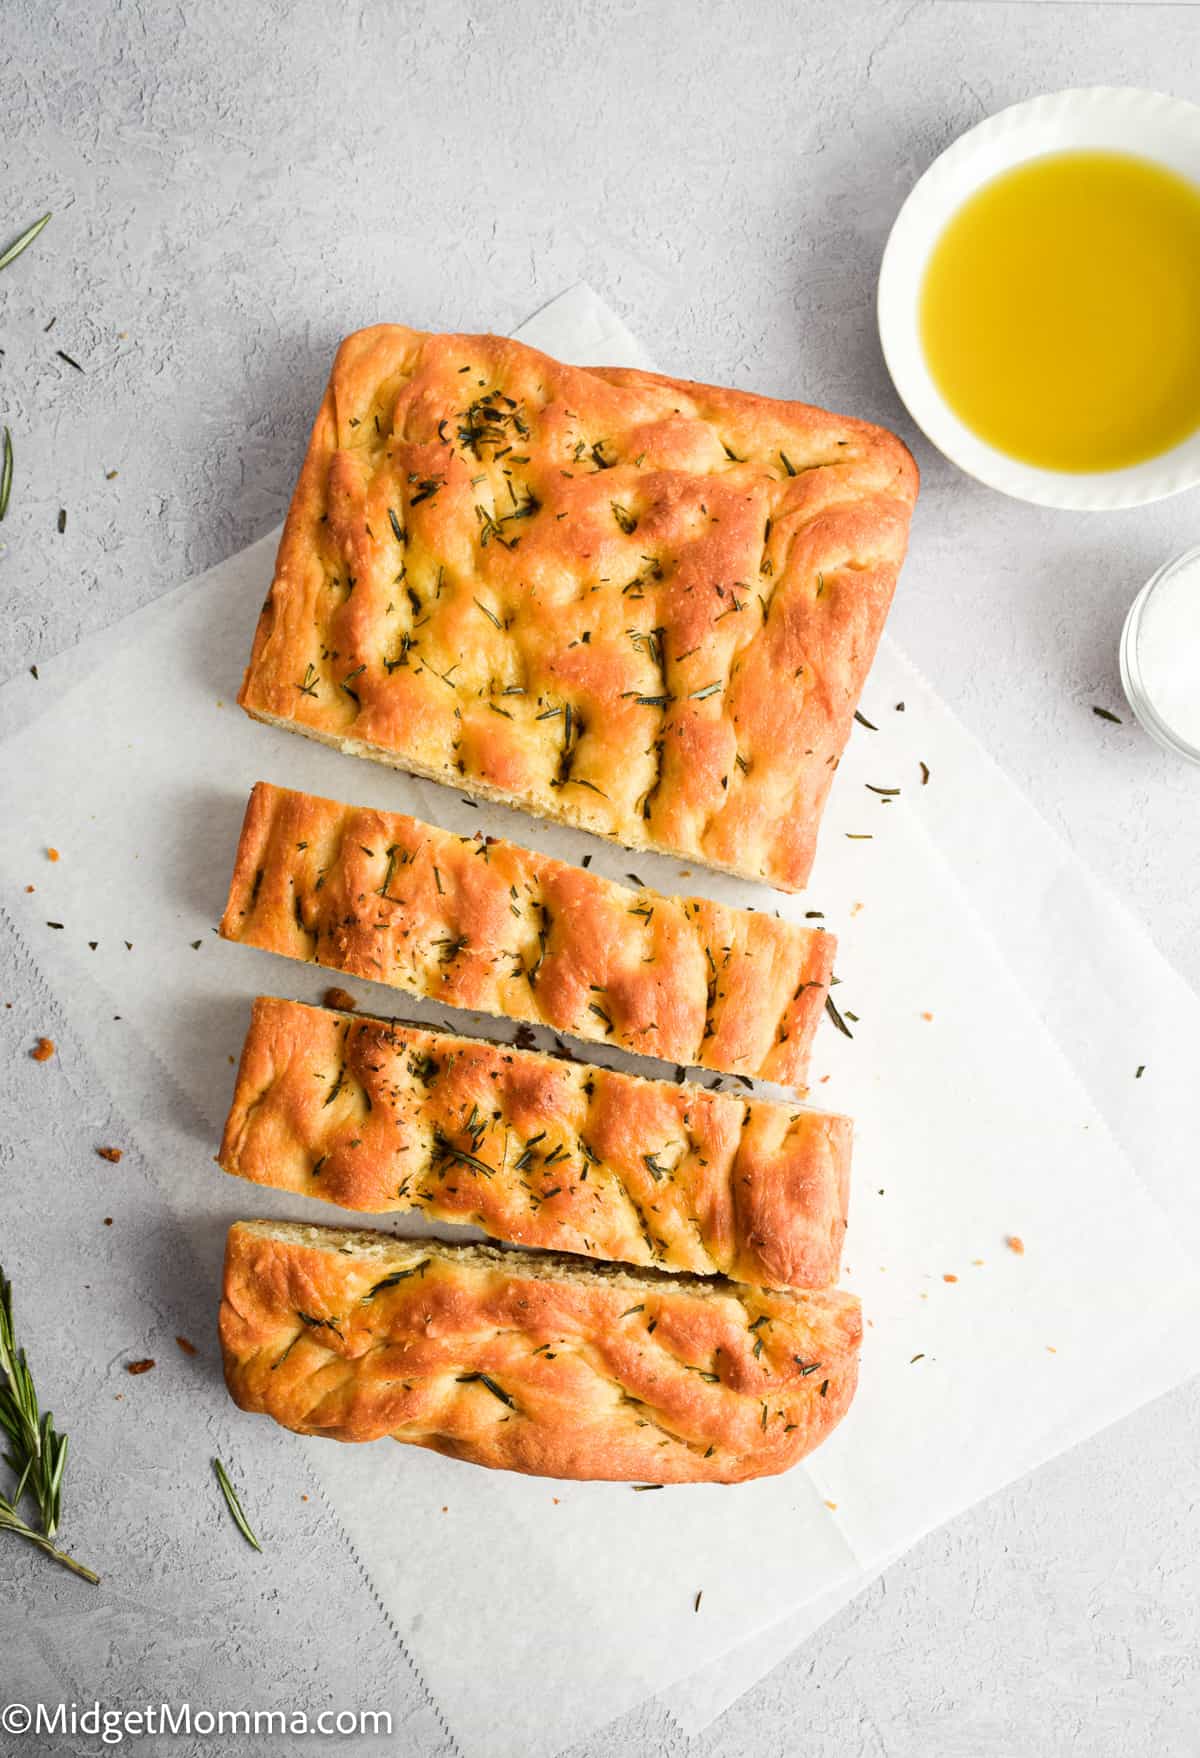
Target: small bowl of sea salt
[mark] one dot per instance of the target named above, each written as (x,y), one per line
(1160,655)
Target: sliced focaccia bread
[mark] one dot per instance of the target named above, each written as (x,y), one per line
(480,923)
(640,605)
(529,1362)
(378,1116)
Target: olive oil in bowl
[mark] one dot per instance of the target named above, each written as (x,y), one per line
(1060,311)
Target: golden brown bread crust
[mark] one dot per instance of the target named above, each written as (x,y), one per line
(480,923)
(378,1116)
(637,604)
(530,1363)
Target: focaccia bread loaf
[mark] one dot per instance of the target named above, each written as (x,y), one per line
(480,923)
(643,606)
(377,1116)
(531,1363)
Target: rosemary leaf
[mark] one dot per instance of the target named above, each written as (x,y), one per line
(444,1149)
(234,1506)
(6,473)
(483,1379)
(24,241)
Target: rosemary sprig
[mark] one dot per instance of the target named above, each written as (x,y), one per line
(36,1453)
(10,1521)
(235,1507)
(24,241)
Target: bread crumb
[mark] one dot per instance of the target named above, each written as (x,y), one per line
(856,907)
(139,1366)
(1050,1349)
(927,1016)
(949,1278)
(977,1261)
(1015,1243)
(112,1155)
(832,1505)
(824,1078)
(43,1050)
(29,888)
(188,1348)
(52,854)
(341,999)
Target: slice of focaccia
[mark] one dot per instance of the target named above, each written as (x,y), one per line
(480,923)
(537,1150)
(531,1363)
(640,605)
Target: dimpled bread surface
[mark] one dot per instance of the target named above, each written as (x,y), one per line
(639,605)
(531,1363)
(481,923)
(537,1150)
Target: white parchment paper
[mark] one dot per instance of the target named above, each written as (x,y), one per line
(538,1611)
(1097,981)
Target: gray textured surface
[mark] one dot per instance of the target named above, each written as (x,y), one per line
(234,187)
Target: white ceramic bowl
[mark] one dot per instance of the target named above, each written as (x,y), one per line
(1113,118)
(1139,697)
